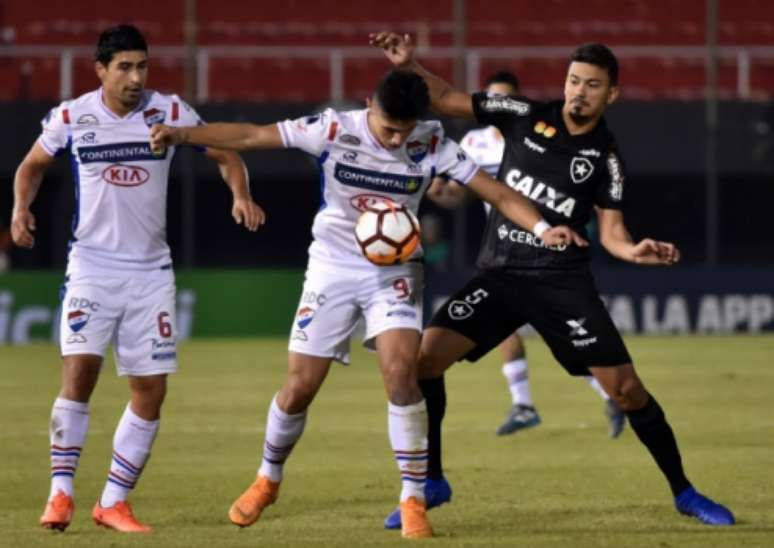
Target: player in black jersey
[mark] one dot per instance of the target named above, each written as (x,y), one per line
(563,157)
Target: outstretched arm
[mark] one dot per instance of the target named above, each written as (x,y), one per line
(618,242)
(219,135)
(234,172)
(447,194)
(445,99)
(520,210)
(26,183)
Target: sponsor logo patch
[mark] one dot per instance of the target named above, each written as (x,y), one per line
(163,356)
(299,335)
(361,202)
(499,103)
(118,152)
(350,156)
(304,317)
(349,139)
(125,175)
(616,177)
(87,120)
(402,313)
(90,138)
(377,180)
(580,169)
(589,152)
(532,145)
(576,327)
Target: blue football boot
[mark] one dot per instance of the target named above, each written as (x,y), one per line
(692,503)
(519,417)
(437,492)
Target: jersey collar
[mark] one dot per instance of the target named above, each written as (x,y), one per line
(144,100)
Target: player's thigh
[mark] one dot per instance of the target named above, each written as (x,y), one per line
(484,311)
(145,342)
(570,316)
(392,299)
(440,349)
(326,316)
(91,306)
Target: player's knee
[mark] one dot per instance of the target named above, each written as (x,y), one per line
(630,394)
(296,395)
(430,364)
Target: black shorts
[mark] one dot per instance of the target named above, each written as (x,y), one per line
(564,307)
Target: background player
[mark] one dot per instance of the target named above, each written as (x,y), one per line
(119,285)
(381,153)
(485,146)
(562,156)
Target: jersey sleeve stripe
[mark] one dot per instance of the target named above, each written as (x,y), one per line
(66,115)
(175,111)
(332,131)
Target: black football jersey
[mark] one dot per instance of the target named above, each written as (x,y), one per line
(564,176)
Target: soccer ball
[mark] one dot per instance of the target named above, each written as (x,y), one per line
(387,233)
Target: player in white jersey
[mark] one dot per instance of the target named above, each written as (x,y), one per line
(485,146)
(120,285)
(380,153)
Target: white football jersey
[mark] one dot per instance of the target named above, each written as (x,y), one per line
(356,170)
(485,146)
(119,220)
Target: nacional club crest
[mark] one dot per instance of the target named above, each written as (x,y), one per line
(153,116)
(304,317)
(77,319)
(417,150)
(580,169)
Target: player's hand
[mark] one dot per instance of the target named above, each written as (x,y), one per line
(162,136)
(247,213)
(653,252)
(399,49)
(22,228)
(563,235)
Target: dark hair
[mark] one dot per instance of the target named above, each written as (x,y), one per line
(403,95)
(120,38)
(503,77)
(599,55)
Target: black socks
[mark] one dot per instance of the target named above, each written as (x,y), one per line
(434,391)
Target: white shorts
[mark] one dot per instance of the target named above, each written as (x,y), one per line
(134,312)
(333,300)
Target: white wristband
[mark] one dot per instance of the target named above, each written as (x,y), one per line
(540,227)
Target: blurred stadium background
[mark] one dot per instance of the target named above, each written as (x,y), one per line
(695,123)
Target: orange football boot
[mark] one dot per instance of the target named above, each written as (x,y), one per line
(413,518)
(248,507)
(119,517)
(59,512)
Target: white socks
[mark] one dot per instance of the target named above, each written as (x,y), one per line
(407,426)
(132,444)
(282,433)
(67,432)
(594,383)
(516,374)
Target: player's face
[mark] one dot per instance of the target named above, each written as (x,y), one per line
(390,133)
(124,77)
(501,88)
(587,91)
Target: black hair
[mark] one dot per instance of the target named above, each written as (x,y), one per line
(119,38)
(503,77)
(403,95)
(599,55)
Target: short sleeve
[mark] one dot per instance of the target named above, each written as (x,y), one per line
(610,194)
(56,130)
(454,163)
(310,133)
(500,110)
(186,115)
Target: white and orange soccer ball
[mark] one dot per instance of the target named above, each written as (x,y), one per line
(387,233)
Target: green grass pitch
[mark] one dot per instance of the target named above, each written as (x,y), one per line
(561,484)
